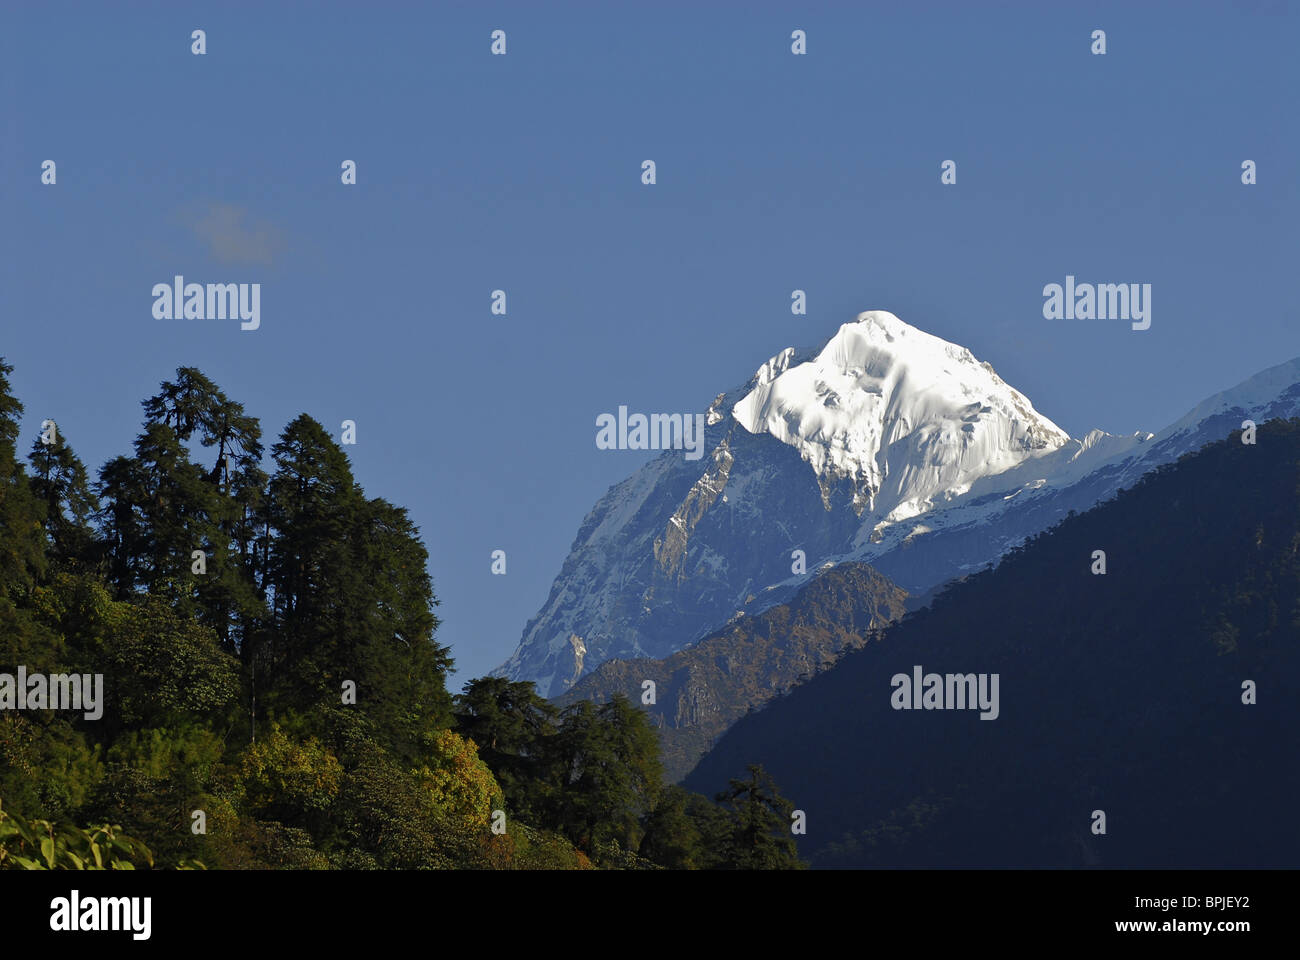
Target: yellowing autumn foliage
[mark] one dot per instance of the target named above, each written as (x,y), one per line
(280,771)
(459,783)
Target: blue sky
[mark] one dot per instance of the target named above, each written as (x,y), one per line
(522,172)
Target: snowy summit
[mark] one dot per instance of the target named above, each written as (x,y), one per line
(906,418)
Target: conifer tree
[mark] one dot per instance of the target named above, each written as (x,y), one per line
(511,725)
(759,838)
(312,505)
(679,830)
(195,407)
(610,774)
(60,482)
(350,596)
(22,548)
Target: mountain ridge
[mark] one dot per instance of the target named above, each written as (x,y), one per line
(701,690)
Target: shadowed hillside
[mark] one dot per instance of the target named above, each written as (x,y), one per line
(1120,693)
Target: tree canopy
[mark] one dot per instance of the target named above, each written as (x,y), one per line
(277,698)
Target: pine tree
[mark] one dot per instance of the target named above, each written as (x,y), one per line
(176,513)
(609,772)
(312,505)
(122,523)
(225,526)
(351,598)
(759,838)
(191,404)
(60,482)
(511,725)
(674,837)
(397,659)
(22,548)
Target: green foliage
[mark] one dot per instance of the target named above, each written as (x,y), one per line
(225,739)
(283,776)
(459,783)
(268,845)
(610,775)
(163,667)
(352,599)
(40,845)
(388,820)
(60,483)
(593,772)
(759,835)
(681,833)
(527,848)
(22,553)
(511,726)
(46,764)
(187,753)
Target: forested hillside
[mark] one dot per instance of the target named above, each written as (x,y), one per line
(1148,715)
(273,694)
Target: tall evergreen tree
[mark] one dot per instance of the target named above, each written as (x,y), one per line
(60,482)
(122,523)
(680,830)
(191,404)
(511,725)
(759,838)
(176,508)
(22,557)
(609,772)
(350,596)
(22,547)
(396,658)
(195,407)
(312,505)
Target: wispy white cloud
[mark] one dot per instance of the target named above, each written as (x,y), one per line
(233,236)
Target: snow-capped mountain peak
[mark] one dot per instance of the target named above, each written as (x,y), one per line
(905,417)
